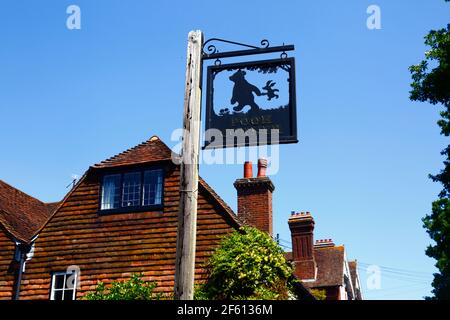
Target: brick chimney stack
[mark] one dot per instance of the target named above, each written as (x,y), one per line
(255,197)
(302,233)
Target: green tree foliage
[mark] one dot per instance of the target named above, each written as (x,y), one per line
(431,83)
(247,265)
(319,294)
(133,289)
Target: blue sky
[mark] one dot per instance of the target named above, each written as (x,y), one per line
(71,98)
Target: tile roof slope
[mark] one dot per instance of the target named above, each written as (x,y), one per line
(352,265)
(52,205)
(220,201)
(330,266)
(148,151)
(20,214)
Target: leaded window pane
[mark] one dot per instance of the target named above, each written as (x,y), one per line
(111,192)
(153,185)
(131,193)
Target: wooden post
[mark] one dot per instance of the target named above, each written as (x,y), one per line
(187,214)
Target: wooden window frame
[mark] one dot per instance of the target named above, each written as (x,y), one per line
(140,207)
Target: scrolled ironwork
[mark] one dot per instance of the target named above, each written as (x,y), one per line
(265,43)
(212,49)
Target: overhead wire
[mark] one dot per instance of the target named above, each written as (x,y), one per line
(390,271)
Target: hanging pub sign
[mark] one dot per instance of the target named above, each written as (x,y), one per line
(251,103)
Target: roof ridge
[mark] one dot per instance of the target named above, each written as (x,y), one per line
(53,202)
(154,149)
(62,202)
(123,152)
(18,190)
(20,213)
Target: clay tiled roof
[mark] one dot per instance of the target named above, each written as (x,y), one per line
(220,202)
(330,266)
(20,214)
(52,205)
(288,256)
(149,151)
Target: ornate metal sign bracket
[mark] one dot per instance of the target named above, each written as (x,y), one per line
(211,52)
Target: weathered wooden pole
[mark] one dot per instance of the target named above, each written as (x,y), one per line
(187,214)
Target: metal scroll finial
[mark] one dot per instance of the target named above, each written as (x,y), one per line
(264,43)
(211,49)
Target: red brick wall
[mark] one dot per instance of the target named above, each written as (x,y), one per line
(302,247)
(255,208)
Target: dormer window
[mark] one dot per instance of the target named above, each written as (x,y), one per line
(132,189)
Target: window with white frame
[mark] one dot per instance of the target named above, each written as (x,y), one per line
(64,285)
(132,189)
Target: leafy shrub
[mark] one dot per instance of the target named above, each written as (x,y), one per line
(248,264)
(133,289)
(319,294)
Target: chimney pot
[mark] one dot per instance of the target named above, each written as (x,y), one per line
(324,243)
(248,169)
(262,165)
(255,200)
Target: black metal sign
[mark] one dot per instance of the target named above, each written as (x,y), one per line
(251,103)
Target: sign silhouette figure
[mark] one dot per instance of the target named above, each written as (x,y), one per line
(270,91)
(243,92)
